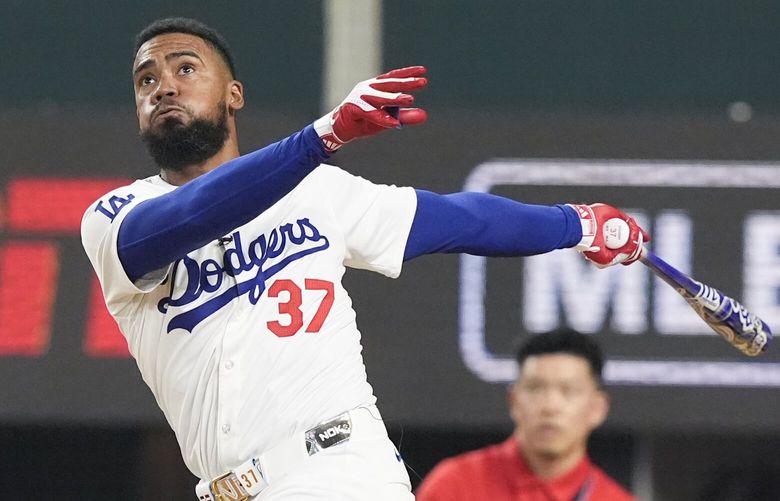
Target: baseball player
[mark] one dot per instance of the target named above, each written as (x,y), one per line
(224,272)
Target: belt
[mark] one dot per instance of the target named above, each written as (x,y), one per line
(251,477)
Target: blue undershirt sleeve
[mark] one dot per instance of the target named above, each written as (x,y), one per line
(488,225)
(161,230)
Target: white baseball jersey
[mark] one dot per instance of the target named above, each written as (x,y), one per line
(252,338)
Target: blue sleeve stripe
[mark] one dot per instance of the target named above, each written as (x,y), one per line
(161,230)
(489,225)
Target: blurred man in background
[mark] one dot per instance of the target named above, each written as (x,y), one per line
(556,402)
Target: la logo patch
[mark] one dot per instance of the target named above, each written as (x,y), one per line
(116,204)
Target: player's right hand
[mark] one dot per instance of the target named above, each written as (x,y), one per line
(609,235)
(373,106)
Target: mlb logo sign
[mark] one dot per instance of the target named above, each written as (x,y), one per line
(714,221)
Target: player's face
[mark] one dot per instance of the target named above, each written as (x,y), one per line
(179,78)
(555,405)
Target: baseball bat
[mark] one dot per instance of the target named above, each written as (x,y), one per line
(744,330)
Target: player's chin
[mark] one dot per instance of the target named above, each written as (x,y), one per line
(550,441)
(161,125)
(548,451)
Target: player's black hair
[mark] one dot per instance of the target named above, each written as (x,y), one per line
(190,27)
(564,341)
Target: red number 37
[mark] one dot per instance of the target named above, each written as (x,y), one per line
(292,307)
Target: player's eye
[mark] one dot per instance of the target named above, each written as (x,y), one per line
(186,69)
(568,391)
(146,80)
(534,388)
(571,391)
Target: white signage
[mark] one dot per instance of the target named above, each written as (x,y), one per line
(630,300)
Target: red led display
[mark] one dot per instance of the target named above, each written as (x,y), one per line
(29,267)
(102,338)
(53,205)
(28,278)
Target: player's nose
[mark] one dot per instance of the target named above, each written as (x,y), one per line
(166,88)
(550,404)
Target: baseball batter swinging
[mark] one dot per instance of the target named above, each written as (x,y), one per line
(224,272)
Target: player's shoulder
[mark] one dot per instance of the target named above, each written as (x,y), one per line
(331,181)
(336,179)
(608,488)
(471,462)
(453,477)
(102,212)
(328,171)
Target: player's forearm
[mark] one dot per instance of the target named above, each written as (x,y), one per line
(161,230)
(488,225)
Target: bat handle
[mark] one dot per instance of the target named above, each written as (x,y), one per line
(668,273)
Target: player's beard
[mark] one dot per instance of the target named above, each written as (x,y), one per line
(174,146)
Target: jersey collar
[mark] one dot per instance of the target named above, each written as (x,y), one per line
(564,487)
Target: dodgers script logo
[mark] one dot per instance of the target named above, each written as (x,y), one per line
(300,239)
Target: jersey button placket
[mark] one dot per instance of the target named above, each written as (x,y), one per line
(229,396)
(230,383)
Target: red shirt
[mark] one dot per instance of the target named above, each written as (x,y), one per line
(499,473)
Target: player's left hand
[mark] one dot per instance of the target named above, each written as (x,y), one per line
(373,106)
(609,235)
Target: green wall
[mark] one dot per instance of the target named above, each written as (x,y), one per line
(80,51)
(596,54)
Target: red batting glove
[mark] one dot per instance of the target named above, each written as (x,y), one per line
(609,235)
(373,106)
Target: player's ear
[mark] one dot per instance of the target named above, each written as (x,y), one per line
(235,95)
(511,400)
(599,409)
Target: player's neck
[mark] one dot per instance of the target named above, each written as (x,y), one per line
(548,468)
(180,176)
